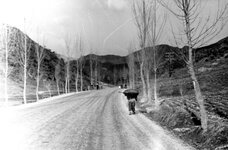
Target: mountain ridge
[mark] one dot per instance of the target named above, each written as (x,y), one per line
(112,69)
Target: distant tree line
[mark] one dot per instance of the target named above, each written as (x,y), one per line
(29,61)
(32,64)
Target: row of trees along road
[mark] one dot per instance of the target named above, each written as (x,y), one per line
(197,30)
(12,41)
(150,28)
(24,58)
(95,74)
(72,45)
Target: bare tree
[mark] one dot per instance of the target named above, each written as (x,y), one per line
(81,73)
(57,75)
(40,57)
(156,32)
(131,66)
(77,76)
(25,67)
(142,13)
(47,84)
(4,45)
(91,68)
(76,48)
(150,28)
(81,60)
(6,65)
(197,31)
(9,41)
(24,58)
(18,42)
(23,43)
(96,68)
(67,66)
(98,71)
(115,75)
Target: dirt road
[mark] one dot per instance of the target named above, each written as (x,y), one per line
(96,120)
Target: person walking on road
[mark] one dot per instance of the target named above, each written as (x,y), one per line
(131,104)
(131,95)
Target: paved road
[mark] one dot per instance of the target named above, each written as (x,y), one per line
(96,120)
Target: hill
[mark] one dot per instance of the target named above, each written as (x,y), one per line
(179,110)
(16,38)
(110,69)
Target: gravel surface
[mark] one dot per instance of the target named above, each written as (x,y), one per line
(95,120)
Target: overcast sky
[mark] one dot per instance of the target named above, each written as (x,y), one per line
(106,26)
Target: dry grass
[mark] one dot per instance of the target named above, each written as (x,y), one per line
(174,116)
(177,120)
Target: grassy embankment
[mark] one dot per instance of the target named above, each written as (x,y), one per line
(179,112)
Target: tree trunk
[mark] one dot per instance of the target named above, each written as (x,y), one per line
(130,75)
(68,85)
(130,80)
(114,76)
(25,71)
(197,90)
(66,82)
(133,75)
(199,96)
(6,69)
(81,78)
(68,77)
(76,84)
(37,82)
(63,89)
(57,83)
(149,94)
(156,101)
(131,70)
(76,78)
(49,91)
(96,73)
(143,83)
(91,71)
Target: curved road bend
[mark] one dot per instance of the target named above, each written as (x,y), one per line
(94,120)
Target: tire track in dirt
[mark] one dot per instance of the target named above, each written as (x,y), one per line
(100,123)
(110,139)
(155,137)
(124,129)
(55,126)
(93,128)
(52,124)
(75,135)
(135,138)
(96,120)
(82,133)
(49,111)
